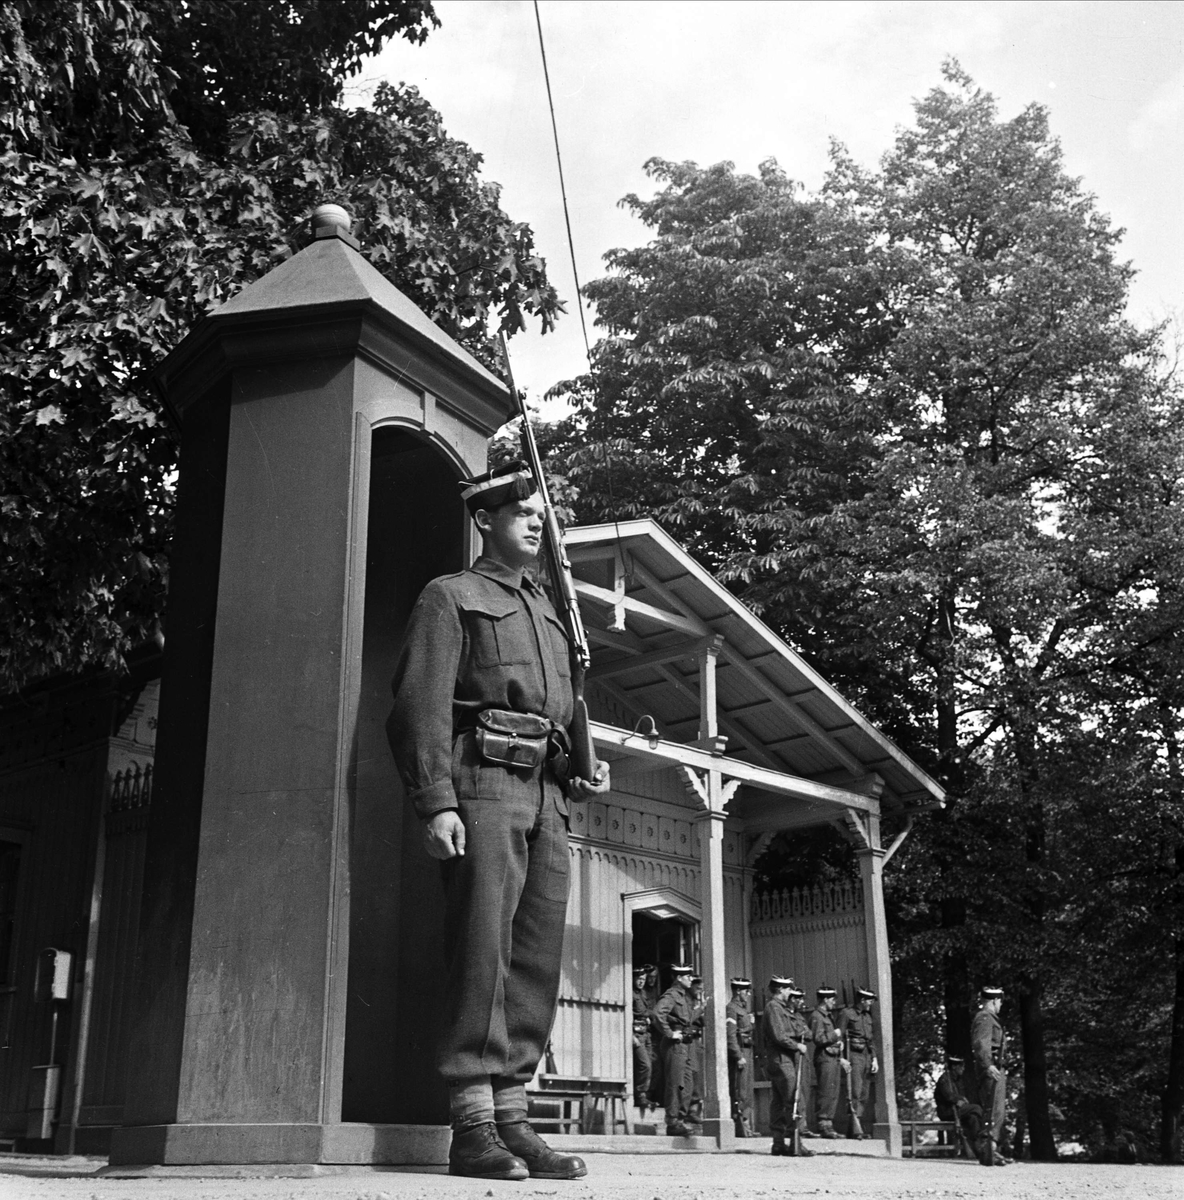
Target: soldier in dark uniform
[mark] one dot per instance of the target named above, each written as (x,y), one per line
(479,643)
(987,1045)
(855,1024)
(785,1038)
(695,1052)
(828,1060)
(739,1023)
(673,1017)
(951,1102)
(643,1047)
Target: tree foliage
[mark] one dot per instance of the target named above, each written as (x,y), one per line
(908,419)
(122,225)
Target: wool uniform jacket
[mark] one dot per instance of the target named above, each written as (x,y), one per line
(485,638)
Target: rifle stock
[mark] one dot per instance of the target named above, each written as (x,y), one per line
(583,753)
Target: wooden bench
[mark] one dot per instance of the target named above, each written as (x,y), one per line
(579,1098)
(915,1149)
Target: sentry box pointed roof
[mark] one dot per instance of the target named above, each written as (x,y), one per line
(335,303)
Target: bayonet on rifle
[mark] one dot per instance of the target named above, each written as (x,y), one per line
(563,591)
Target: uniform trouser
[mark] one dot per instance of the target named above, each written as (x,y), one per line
(643,1067)
(676,1066)
(505,906)
(828,1073)
(859,1082)
(738,1085)
(695,1079)
(783,1081)
(992,1097)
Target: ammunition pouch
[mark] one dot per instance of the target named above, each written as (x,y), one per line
(513,739)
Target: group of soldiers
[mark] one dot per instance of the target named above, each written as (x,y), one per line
(977,1104)
(667,1055)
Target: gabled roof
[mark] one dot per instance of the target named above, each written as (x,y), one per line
(649,605)
(329,278)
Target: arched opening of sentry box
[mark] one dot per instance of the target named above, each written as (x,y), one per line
(417,530)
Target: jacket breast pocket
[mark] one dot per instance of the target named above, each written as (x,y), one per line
(498,632)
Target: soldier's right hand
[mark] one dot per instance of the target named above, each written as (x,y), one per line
(995,1073)
(676,1036)
(444,836)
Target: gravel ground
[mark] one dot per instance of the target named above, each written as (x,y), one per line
(630,1177)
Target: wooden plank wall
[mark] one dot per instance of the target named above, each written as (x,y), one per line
(637,841)
(815,936)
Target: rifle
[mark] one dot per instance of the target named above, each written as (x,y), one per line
(563,590)
(796,1136)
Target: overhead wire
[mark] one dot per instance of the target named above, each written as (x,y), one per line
(575,271)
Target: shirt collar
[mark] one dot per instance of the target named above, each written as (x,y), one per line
(511,577)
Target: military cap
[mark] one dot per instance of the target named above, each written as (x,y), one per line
(780,981)
(499,486)
(794,990)
(992,993)
(682,969)
(864,994)
(824,991)
(955,1060)
(739,982)
(641,970)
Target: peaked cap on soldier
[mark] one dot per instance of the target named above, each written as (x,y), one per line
(955,1060)
(864,994)
(992,993)
(681,969)
(739,983)
(777,982)
(497,487)
(824,991)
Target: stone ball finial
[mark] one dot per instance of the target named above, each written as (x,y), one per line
(330,216)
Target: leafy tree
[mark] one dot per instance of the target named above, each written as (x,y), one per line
(122,226)
(907,417)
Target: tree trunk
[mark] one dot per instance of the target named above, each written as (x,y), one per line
(1036,1096)
(1173,1092)
(1036,1100)
(952,773)
(1171,1148)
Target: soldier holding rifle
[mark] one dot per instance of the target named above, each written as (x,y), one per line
(829,1062)
(786,1040)
(856,1026)
(488,700)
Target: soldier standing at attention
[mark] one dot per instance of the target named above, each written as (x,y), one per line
(855,1024)
(643,1049)
(828,1060)
(739,1022)
(695,1052)
(673,1016)
(987,1045)
(785,1040)
(486,657)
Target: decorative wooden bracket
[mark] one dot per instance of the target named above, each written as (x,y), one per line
(757,845)
(695,783)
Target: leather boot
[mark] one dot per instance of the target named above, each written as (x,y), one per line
(479,1153)
(541,1161)
(779,1146)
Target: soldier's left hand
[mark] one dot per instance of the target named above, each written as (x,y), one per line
(875,1067)
(582,789)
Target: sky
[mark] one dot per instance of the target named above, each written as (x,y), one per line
(744,81)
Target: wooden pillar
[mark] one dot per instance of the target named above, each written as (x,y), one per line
(871,862)
(717,1120)
(715,794)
